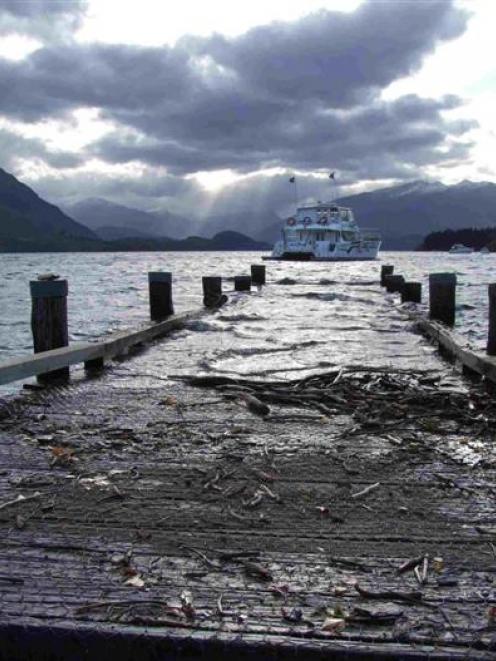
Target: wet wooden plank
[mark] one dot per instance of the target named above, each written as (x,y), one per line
(456,346)
(116,345)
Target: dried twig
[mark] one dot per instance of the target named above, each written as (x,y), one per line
(367,490)
(392,595)
(20,500)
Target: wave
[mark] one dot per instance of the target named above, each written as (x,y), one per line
(200,326)
(286,281)
(313,295)
(260,351)
(242,317)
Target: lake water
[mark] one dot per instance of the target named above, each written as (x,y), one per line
(333,314)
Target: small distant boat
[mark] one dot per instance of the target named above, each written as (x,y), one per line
(460,249)
(485,250)
(325,232)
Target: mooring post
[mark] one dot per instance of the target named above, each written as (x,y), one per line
(49,321)
(491,333)
(411,292)
(386,269)
(442,297)
(394,283)
(212,292)
(160,288)
(242,282)
(258,274)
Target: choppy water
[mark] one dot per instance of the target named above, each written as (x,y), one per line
(332,313)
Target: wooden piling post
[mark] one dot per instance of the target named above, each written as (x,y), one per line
(442,297)
(258,274)
(386,269)
(49,321)
(242,283)
(491,334)
(212,292)
(411,292)
(394,283)
(160,288)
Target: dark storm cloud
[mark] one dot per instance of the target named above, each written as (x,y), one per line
(403,129)
(117,79)
(334,57)
(41,18)
(302,95)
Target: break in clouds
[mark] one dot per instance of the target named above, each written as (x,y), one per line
(303,96)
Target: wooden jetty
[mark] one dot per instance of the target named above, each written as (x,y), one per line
(154,519)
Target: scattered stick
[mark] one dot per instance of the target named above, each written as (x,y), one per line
(206,560)
(367,490)
(256,570)
(410,564)
(391,595)
(12,579)
(254,405)
(425,569)
(20,499)
(271,494)
(236,555)
(97,605)
(348,564)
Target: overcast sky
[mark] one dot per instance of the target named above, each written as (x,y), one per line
(197,106)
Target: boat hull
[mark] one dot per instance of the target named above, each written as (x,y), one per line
(343,252)
(312,258)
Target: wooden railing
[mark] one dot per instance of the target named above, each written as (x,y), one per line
(53,355)
(92,354)
(442,306)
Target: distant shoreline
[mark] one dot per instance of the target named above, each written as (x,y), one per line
(127,250)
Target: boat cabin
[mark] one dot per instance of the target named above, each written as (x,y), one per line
(322,222)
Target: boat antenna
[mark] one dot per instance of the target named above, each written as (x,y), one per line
(292,180)
(332,177)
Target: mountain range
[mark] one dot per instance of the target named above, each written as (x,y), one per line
(404,214)
(25,218)
(30,224)
(112,221)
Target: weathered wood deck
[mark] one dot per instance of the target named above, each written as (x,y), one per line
(133,494)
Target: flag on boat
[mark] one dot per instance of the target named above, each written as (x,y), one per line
(331,176)
(292,180)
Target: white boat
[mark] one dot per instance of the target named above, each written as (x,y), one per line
(460,249)
(485,250)
(325,233)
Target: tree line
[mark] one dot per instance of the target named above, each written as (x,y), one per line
(469,236)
